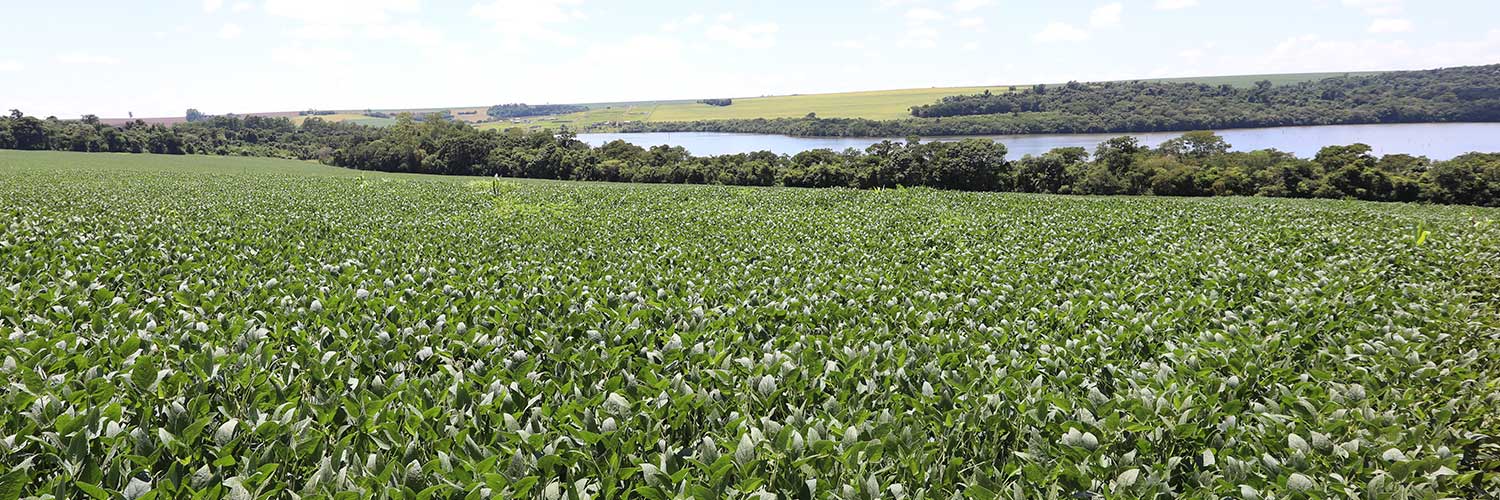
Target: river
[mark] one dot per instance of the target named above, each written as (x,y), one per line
(1438,141)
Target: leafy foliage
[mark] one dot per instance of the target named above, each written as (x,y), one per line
(254,335)
(1440,95)
(1195,164)
(503,111)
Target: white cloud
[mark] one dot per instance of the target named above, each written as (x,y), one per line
(310,57)
(971,46)
(678,24)
(919,37)
(212,5)
(86,59)
(888,4)
(922,14)
(969,5)
(919,33)
(241,7)
(230,31)
(530,20)
(1175,4)
(971,22)
(849,44)
(1312,53)
(1195,54)
(748,36)
(1061,32)
(341,12)
(1317,53)
(9,66)
(320,32)
(1376,7)
(410,32)
(1390,26)
(1106,15)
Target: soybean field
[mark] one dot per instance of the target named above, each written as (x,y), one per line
(250,328)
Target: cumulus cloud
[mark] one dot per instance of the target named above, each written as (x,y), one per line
(320,32)
(241,7)
(971,22)
(1175,4)
(1061,32)
(1107,15)
(970,5)
(310,57)
(919,37)
(1390,26)
(410,32)
(1376,7)
(678,24)
(230,31)
(212,5)
(746,36)
(849,44)
(1194,54)
(80,58)
(341,12)
(9,66)
(922,14)
(530,20)
(919,32)
(890,4)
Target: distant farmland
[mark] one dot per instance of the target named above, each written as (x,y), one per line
(874,105)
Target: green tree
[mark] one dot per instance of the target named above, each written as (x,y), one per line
(1196,146)
(1118,153)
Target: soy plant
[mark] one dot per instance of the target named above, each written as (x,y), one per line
(213,334)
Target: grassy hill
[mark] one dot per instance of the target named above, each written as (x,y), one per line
(874,105)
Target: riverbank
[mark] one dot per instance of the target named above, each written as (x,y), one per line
(1438,141)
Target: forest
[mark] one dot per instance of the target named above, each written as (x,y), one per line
(1465,94)
(1195,164)
(504,111)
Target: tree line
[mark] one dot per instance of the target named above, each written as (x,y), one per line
(208,135)
(504,111)
(1441,95)
(1195,164)
(1456,94)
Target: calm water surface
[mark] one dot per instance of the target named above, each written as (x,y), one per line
(1439,141)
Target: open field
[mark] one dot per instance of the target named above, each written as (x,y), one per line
(246,328)
(358,118)
(875,105)
(880,105)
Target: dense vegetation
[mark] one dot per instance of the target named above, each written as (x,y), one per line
(216,331)
(211,135)
(1442,95)
(505,111)
(717,102)
(1197,164)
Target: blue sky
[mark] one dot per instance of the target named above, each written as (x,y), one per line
(159,58)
